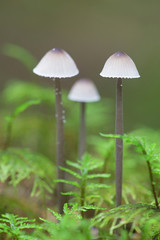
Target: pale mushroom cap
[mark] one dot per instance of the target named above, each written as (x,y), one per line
(120,65)
(56,64)
(84,90)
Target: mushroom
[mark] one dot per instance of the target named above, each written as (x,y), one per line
(83,91)
(119,66)
(57,64)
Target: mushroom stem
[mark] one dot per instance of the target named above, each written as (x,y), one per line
(82,137)
(60,144)
(119,142)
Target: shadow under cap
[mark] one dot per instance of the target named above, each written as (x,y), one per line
(56,63)
(119,65)
(84,90)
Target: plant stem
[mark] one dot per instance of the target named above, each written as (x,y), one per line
(44,205)
(15,238)
(9,132)
(82,196)
(152,184)
(60,144)
(82,138)
(119,141)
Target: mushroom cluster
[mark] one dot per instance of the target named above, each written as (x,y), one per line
(57,64)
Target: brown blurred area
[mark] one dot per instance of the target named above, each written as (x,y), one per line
(90,31)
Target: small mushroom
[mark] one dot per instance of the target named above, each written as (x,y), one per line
(83,91)
(119,66)
(57,64)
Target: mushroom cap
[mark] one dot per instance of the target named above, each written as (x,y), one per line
(56,64)
(119,65)
(84,90)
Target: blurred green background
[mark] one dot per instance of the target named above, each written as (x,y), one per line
(90,31)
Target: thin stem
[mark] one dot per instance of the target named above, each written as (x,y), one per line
(9,133)
(82,198)
(119,141)
(152,184)
(44,204)
(83,192)
(60,144)
(82,137)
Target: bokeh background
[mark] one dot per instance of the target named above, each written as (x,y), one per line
(90,31)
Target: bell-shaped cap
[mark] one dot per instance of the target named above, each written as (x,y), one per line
(56,64)
(84,90)
(120,65)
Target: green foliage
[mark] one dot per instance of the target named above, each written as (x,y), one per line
(151,228)
(88,187)
(148,150)
(19,164)
(68,228)
(143,218)
(17,91)
(70,225)
(32,128)
(21,108)
(19,53)
(124,235)
(10,118)
(126,213)
(14,226)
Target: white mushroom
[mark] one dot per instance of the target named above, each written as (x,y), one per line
(58,64)
(119,66)
(83,91)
